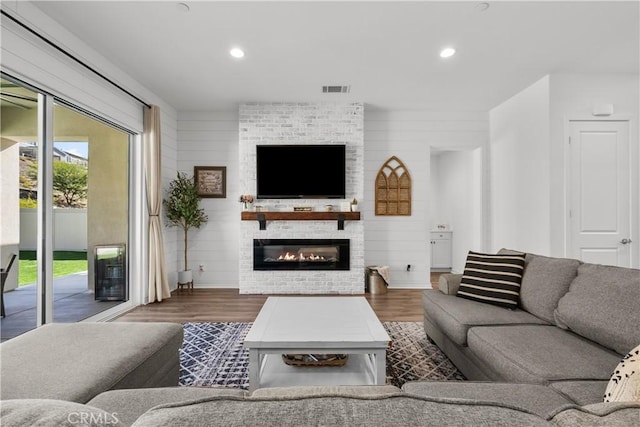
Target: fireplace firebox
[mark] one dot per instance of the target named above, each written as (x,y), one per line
(301,254)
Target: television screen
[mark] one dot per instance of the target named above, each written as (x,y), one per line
(300,171)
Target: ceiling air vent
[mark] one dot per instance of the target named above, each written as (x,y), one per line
(336,89)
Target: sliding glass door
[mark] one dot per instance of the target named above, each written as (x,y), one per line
(66,174)
(91,208)
(18,203)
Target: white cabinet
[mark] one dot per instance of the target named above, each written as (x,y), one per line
(441,249)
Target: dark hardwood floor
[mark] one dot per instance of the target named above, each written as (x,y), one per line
(228,305)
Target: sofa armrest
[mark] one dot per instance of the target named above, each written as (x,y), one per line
(449,283)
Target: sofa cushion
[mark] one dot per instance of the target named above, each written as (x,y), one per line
(612,295)
(536,398)
(400,409)
(456,315)
(128,405)
(539,354)
(77,361)
(492,278)
(449,283)
(581,392)
(544,282)
(624,385)
(599,414)
(49,412)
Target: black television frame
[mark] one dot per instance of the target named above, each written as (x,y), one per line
(273,159)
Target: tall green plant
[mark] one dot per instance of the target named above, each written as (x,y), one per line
(182,207)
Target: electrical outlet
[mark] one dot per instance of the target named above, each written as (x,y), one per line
(408,267)
(201,267)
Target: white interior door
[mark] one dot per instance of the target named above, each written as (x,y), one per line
(599,192)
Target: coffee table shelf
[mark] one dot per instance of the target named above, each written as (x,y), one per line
(357,371)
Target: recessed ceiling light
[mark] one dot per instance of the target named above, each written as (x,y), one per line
(236,52)
(447,52)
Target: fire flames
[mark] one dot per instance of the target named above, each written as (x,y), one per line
(300,257)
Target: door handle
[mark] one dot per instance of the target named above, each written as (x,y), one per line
(625,241)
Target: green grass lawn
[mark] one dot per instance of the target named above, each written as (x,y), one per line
(64,263)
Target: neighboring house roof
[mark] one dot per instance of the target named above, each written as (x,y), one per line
(29,149)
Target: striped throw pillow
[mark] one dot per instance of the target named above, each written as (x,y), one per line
(492,278)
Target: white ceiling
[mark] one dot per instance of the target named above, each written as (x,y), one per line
(386,51)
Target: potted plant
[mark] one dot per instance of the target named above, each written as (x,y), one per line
(354,205)
(182,208)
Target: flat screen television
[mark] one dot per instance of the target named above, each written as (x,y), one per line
(300,171)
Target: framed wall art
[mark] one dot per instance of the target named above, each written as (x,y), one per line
(211,181)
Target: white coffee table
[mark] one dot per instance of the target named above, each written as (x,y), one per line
(316,325)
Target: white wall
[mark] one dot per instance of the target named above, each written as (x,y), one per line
(520,171)
(395,240)
(211,139)
(456,198)
(9,205)
(529,145)
(69,229)
(574,96)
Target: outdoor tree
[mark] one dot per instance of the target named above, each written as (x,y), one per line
(70,180)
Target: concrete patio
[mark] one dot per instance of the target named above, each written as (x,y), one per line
(72,302)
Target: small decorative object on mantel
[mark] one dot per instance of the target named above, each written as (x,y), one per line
(302,208)
(246,200)
(354,205)
(393,189)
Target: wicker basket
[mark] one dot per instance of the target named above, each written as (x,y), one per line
(307,360)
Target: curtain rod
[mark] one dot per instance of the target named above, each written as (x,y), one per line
(79,61)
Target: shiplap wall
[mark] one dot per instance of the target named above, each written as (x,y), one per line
(26,57)
(410,135)
(211,138)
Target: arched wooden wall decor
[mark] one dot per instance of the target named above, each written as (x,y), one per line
(393,189)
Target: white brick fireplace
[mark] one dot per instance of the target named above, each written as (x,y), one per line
(302,123)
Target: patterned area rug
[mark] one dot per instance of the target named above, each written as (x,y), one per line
(212,355)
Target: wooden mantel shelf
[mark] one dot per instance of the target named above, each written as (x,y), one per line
(301,216)
(263,217)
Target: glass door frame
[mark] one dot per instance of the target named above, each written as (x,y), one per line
(137,235)
(44,248)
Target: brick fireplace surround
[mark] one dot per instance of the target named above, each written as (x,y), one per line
(302,123)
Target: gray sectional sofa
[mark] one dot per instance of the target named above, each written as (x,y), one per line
(417,405)
(76,361)
(574,323)
(123,374)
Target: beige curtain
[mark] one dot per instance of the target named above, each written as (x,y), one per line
(158,283)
